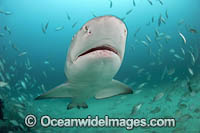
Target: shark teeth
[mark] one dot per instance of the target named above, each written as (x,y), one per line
(109,48)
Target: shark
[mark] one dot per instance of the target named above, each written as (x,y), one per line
(93,59)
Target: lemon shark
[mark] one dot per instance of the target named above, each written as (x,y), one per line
(93,59)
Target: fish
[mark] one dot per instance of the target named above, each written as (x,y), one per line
(197,110)
(182,106)
(3,84)
(123,18)
(145,43)
(68,16)
(43,29)
(150,2)
(23,84)
(156,110)
(157,33)
(180,22)
(2,34)
(152,19)
(46,62)
(193,58)
(136,108)
(2,12)
(21,106)
(158,96)
(172,51)
(178,57)
(137,91)
(171,71)
(184,117)
(93,14)
(138,30)
(142,85)
(22,53)
(160,20)
(129,11)
(46,26)
(166,14)
(164,73)
(8,13)
(74,24)
(178,130)
(97,50)
(168,37)
(182,36)
(134,4)
(163,20)
(45,74)
(110,3)
(140,70)
(192,30)
(6,28)
(148,38)
(160,2)
(135,66)
(5,12)
(190,71)
(183,51)
(59,28)
(14,122)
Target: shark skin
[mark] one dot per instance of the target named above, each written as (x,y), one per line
(94,57)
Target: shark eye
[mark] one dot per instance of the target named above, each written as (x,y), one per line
(86,28)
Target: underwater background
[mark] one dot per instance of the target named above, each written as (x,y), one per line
(161,62)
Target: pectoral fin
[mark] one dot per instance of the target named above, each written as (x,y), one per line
(113,89)
(61,91)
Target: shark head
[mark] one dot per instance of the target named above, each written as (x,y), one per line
(97,50)
(94,57)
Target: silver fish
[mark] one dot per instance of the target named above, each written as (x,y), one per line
(136,108)
(152,19)
(158,96)
(22,53)
(8,13)
(145,43)
(74,24)
(68,16)
(190,71)
(3,84)
(142,85)
(166,14)
(129,11)
(14,122)
(182,36)
(148,38)
(160,2)
(150,2)
(2,34)
(134,4)
(59,28)
(178,57)
(138,29)
(6,28)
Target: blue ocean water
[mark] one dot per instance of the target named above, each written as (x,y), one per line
(156,61)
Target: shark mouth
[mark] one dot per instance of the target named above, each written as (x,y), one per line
(109,48)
